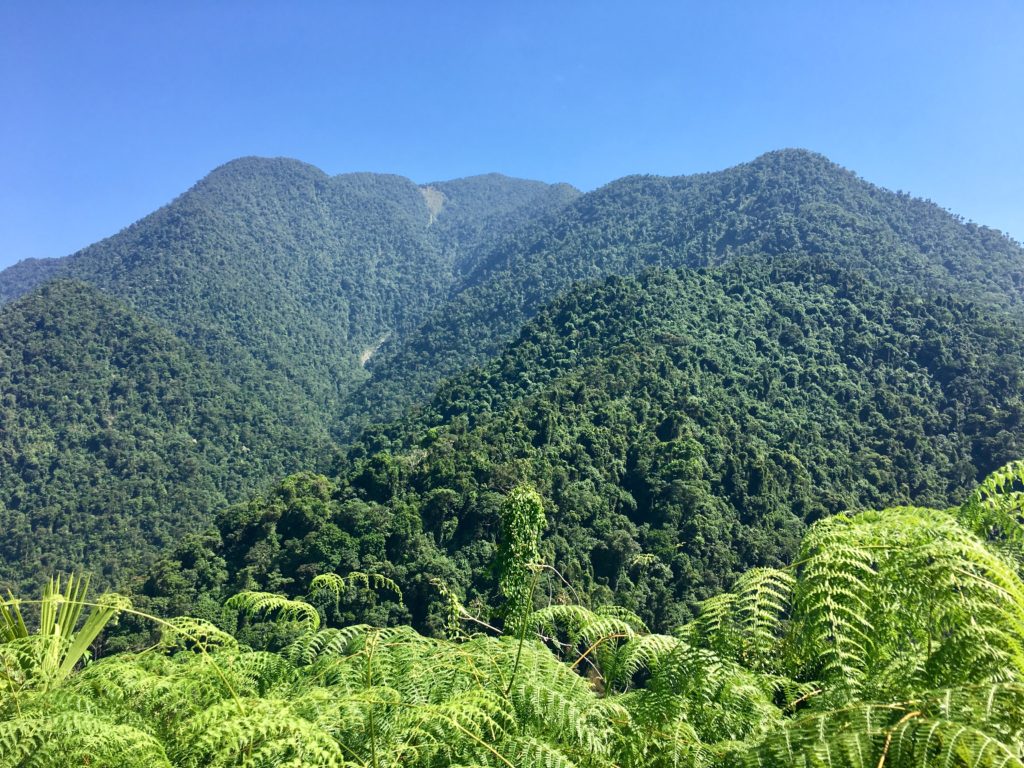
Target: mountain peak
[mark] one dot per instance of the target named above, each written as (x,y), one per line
(793,155)
(804,165)
(253,167)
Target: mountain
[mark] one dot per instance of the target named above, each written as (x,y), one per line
(26,275)
(116,437)
(784,203)
(683,426)
(233,319)
(670,405)
(288,278)
(690,370)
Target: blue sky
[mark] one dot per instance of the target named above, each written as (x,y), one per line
(112,109)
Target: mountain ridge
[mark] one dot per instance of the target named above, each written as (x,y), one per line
(25,274)
(333,262)
(279,280)
(782,203)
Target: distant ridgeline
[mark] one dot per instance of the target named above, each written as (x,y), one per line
(782,205)
(689,369)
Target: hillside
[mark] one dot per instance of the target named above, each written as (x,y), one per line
(235,318)
(784,203)
(691,368)
(682,425)
(116,438)
(284,275)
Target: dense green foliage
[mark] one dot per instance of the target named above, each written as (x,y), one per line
(522,523)
(241,314)
(285,276)
(25,276)
(689,370)
(116,437)
(686,426)
(783,204)
(896,639)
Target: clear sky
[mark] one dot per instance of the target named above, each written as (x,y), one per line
(110,110)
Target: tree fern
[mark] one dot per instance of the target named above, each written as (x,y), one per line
(265,604)
(995,510)
(46,657)
(978,726)
(77,738)
(894,640)
(336,585)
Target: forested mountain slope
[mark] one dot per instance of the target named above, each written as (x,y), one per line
(784,203)
(202,353)
(116,437)
(286,276)
(683,426)
(25,275)
(472,216)
(794,328)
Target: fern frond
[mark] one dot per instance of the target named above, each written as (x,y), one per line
(266,605)
(763,603)
(903,735)
(716,625)
(831,601)
(531,752)
(337,585)
(184,633)
(995,510)
(263,732)
(639,653)
(310,646)
(77,738)
(582,626)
